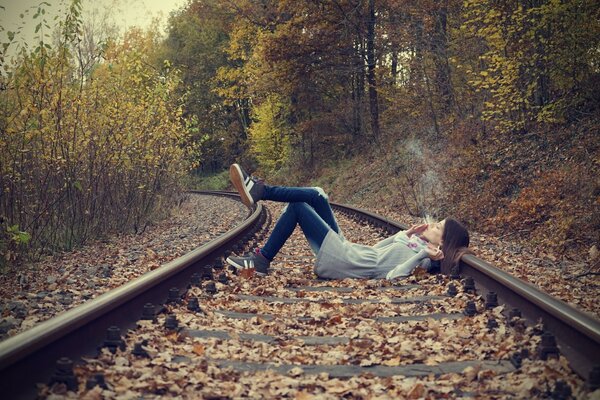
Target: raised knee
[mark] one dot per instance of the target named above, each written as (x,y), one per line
(321,192)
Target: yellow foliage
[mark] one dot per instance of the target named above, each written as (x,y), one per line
(82,155)
(537,58)
(269,134)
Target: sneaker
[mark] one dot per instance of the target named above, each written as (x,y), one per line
(251,189)
(256,261)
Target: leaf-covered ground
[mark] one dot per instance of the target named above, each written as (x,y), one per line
(183,364)
(42,290)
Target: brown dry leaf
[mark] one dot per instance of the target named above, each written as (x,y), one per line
(121,361)
(296,371)
(420,273)
(173,337)
(198,349)
(367,362)
(407,347)
(166,356)
(432,360)
(300,359)
(485,374)
(336,387)
(416,392)
(247,273)
(394,339)
(471,373)
(593,252)
(150,253)
(526,386)
(93,394)
(392,362)
(123,384)
(304,396)
(141,384)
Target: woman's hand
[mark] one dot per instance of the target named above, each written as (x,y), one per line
(416,229)
(434,252)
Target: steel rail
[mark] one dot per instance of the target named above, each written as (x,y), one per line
(30,357)
(577,333)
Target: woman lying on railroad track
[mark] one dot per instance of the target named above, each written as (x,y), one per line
(337,258)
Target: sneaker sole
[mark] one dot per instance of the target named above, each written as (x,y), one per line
(240,267)
(237,178)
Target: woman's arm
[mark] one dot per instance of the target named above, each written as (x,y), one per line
(407,266)
(402,235)
(390,240)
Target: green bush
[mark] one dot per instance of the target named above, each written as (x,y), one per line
(86,152)
(212,181)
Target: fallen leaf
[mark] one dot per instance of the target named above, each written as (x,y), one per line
(594,252)
(471,373)
(392,362)
(416,392)
(173,336)
(198,349)
(121,361)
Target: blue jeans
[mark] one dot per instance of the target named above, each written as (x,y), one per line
(309,208)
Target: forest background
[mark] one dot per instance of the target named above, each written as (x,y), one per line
(485,110)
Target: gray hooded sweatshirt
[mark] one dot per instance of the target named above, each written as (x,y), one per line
(395,256)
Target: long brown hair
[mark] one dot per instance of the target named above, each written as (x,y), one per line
(455,241)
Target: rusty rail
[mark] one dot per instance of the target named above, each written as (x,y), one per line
(30,357)
(577,333)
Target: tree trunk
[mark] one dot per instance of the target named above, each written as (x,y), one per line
(373,104)
(394,67)
(420,71)
(357,88)
(440,51)
(415,69)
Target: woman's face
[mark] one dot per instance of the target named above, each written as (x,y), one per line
(434,232)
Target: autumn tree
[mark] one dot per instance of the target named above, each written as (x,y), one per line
(86,154)
(539,57)
(198,35)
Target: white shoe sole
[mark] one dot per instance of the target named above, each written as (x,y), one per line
(241,267)
(234,264)
(237,178)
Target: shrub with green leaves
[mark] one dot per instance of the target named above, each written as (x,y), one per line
(87,151)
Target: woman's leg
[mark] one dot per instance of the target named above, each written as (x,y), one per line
(314,227)
(313,196)
(252,189)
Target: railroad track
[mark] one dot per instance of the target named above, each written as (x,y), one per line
(190,310)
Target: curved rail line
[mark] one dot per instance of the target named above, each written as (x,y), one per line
(30,357)
(577,332)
